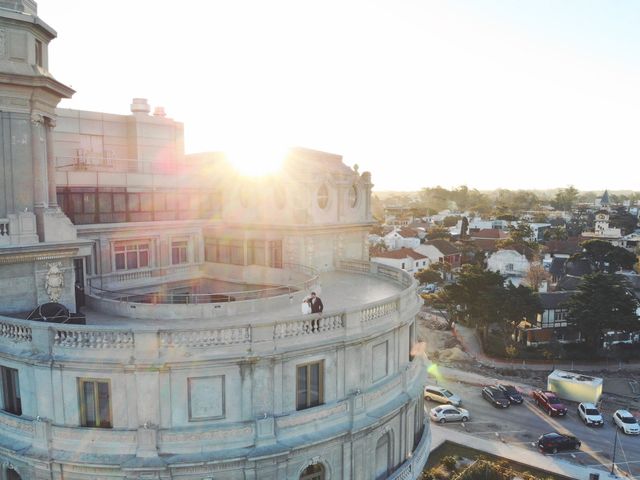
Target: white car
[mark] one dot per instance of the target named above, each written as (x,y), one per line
(626,422)
(447,413)
(441,395)
(590,415)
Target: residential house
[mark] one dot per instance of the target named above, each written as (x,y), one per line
(404,258)
(402,238)
(441,251)
(511,263)
(550,325)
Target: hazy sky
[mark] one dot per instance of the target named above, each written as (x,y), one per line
(510,94)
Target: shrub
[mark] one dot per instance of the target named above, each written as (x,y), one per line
(450,463)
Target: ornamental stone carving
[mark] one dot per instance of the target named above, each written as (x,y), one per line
(54,281)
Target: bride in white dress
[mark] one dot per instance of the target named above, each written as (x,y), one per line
(306,306)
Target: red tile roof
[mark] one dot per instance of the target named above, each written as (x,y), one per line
(445,247)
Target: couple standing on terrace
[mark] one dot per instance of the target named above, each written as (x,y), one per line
(312,304)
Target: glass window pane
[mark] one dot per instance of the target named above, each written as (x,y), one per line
(120,265)
(89,202)
(132,260)
(146,202)
(159,202)
(314,384)
(89,404)
(104,202)
(302,388)
(144,258)
(76,202)
(134,202)
(103,404)
(119,202)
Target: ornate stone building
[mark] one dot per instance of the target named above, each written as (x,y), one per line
(171,343)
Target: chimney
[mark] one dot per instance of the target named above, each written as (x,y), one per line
(159,112)
(140,106)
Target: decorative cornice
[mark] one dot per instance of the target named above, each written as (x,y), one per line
(12,257)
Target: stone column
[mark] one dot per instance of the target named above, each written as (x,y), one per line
(39,166)
(51,163)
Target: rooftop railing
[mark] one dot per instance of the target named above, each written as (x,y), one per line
(115,343)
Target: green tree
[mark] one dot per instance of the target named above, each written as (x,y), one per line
(605,257)
(428,276)
(602,302)
(565,198)
(519,303)
(555,233)
(438,231)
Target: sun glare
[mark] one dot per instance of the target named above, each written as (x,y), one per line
(255,161)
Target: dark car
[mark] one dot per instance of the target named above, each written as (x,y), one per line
(496,397)
(549,402)
(555,442)
(512,393)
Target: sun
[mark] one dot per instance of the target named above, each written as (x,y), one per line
(255,160)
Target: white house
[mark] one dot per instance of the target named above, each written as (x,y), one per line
(510,263)
(403,258)
(401,238)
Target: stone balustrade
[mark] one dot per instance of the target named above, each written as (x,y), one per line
(4,227)
(74,337)
(205,338)
(14,332)
(262,336)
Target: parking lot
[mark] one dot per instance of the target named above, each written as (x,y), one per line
(521,425)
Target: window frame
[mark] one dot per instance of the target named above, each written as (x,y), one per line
(179,250)
(11,400)
(120,248)
(308,404)
(82,407)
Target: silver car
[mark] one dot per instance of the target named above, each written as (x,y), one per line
(447,413)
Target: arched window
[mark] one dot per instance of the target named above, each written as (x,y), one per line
(383,452)
(313,472)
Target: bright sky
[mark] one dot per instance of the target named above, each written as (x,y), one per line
(487,93)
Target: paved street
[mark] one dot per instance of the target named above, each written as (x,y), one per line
(521,425)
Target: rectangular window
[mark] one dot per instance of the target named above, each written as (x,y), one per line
(119,202)
(10,391)
(224,251)
(309,385)
(146,202)
(95,403)
(39,53)
(256,252)
(133,200)
(179,252)
(105,202)
(237,252)
(131,255)
(412,341)
(211,250)
(275,253)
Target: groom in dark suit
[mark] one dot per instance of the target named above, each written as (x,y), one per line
(316,303)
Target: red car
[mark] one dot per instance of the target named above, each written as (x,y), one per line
(549,402)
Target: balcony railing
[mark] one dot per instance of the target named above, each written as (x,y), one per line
(150,278)
(265,334)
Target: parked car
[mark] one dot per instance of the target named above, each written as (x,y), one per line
(512,393)
(496,397)
(590,415)
(447,413)
(626,422)
(555,442)
(549,402)
(441,395)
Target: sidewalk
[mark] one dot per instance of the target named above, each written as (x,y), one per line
(553,464)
